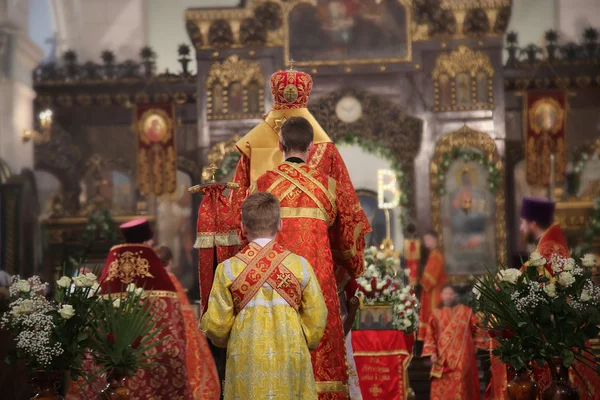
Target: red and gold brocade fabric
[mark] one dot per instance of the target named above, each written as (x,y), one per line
(545,123)
(382,359)
(434,277)
(308,207)
(496,389)
(134,263)
(552,243)
(451,340)
(139,264)
(589,387)
(217,236)
(202,373)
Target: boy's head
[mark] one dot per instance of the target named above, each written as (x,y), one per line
(448,296)
(261,216)
(296,136)
(166,256)
(430,240)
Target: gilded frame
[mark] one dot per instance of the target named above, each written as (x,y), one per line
(467,138)
(202,19)
(459,61)
(234,69)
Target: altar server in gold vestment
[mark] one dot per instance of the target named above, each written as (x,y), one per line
(266,307)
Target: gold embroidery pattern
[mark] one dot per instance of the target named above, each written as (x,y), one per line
(127,266)
(332,387)
(304,212)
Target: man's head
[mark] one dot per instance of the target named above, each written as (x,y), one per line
(166,256)
(430,240)
(261,216)
(137,231)
(537,215)
(448,296)
(296,137)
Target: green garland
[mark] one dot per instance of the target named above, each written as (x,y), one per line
(379,149)
(228,165)
(467,155)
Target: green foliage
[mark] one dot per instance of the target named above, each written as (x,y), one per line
(379,149)
(494,178)
(535,317)
(125,330)
(592,231)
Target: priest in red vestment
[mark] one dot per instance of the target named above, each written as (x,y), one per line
(261,153)
(434,277)
(136,262)
(453,336)
(201,369)
(313,208)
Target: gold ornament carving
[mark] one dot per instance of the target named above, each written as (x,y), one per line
(217,155)
(128,266)
(235,69)
(467,138)
(473,4)
(463,60)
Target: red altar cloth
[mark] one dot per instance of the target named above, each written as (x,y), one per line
(382,359)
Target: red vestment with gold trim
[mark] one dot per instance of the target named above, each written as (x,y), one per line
(313,209)
(452,337)
(434,277)
(139,264)
(201,369)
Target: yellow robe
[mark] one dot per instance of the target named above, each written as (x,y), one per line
(268,341)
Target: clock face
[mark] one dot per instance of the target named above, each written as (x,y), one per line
(348,109)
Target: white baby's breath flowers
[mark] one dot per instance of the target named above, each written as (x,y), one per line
(566,279)
(64,282)
(23,286)
(510,275)
(550,290)
(67,311)
(588,260)
(536,259)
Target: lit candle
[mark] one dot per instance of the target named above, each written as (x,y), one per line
(551,194)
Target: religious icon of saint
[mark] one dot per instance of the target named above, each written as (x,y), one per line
(155,128)
(463,89)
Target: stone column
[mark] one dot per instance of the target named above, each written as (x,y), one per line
(19,56)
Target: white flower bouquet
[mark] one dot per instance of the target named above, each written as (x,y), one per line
(535,315)
(383,283)
(51,335)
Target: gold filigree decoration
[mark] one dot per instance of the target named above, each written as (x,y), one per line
(471,63)
(219,83)
(472,4)
(217,154)
(463,60)
(128,266)
(467,138)
(235,69)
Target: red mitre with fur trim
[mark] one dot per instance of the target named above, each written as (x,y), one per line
(217,237)
(134,263)
(290,89)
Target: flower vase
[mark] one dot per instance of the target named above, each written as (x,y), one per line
(522,387)
(559,388)
(116,389)
(45,385)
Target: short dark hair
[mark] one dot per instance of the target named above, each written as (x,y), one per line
(261,214)
(296,134)
(165,254)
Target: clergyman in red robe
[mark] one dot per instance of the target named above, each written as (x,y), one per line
(453,336)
